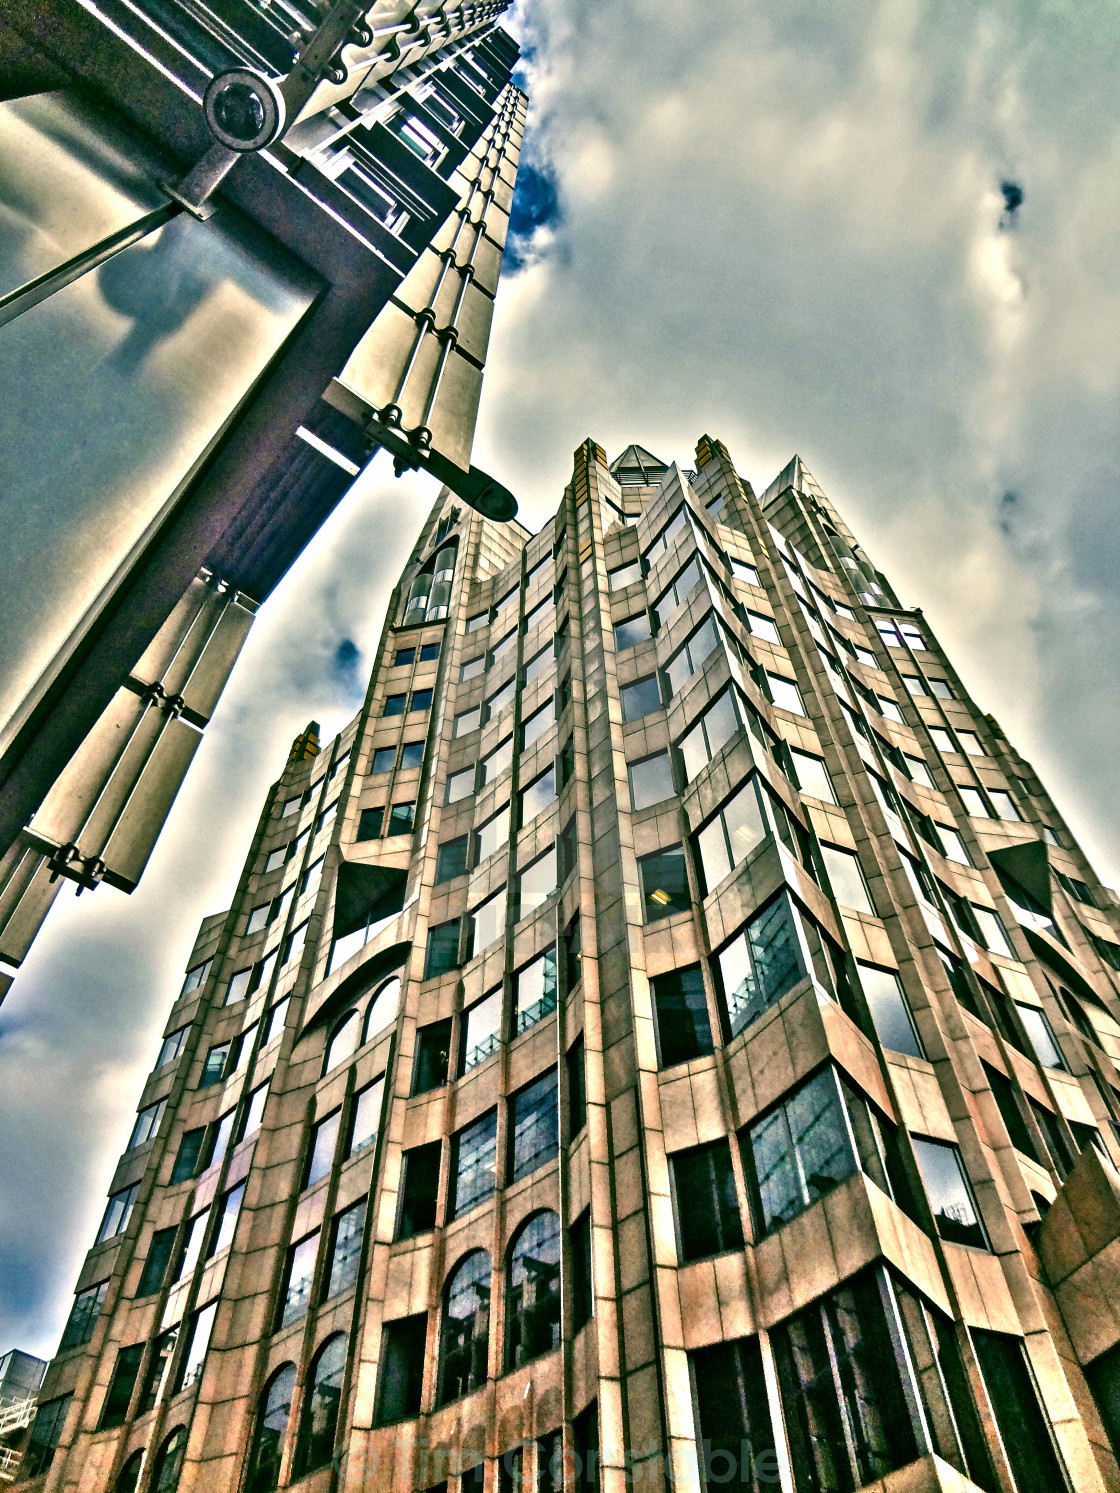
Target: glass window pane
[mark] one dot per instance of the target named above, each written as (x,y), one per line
(534,1127)
(482,1030)
(535,991)
(664,879)
(651,781)
(848,885)
(785,694)
(460,785)
(640,699)
(889,1010)
(812,776)
(761,964)
(476,1152)
(633,630)
(1041,1037)
(683,1029)
(949,1193)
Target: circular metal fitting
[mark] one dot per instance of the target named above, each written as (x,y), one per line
(244,110)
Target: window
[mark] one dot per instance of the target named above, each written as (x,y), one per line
(1103,1376)
(187,1156)
(651,781)
(421,699)
(691,656)
(369,823)
(973,801)
(953,847)
(472,668)
(412,755)
(498,761)
(634,630)
(678,592)
(846,877)
(147,1123)
(343,1041)
(763,627)
(971,743)
(433,1056)
(383,759)
(941,739)
(1041,1035)
(394,704)
(259,918)
(345,1248)
(274,1020)
(298,1277)
(487,923)
(118,1213)
(534,1127)
(400,819)
(192,1249)
(918,770)
(537,666)
(196,976)
(683,1029)
(890,1012)
(190,1371)
(640,699)
(993,934)
(451,858)
(913,684)
(949,1193)
(536,883)
(1003,1091)
(291,806)
(404,656)
(784,693)
(326,817)
(537,724)
(319,1422)
(419,1190)
(734,1420)
(537,797)
(715,727)
(494,834)
(732,834)
(481,1031)
(533,1291)
(272,1425)
(320,1156)
(1022,1421)
(888,708)
(664,882)
(760,964)
(744,572)
(429,652)
(1078,890)
(474,1163)
(842,1390)
(442,953)
(585,1434)
(576,1064)
(898,634)
(811,776)
(46,1433)
(706,1203)
(402,1368)
(365,1116)
(498,701)
(214,1066)
(227,1222)
(624,575)
(1051,836)
(534,991)
(87,1304)
(465,1329)
(460,785)
(583,1297)
(254,1114)
(129,1478)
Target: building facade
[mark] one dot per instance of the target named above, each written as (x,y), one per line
(203,343)
(668,1038)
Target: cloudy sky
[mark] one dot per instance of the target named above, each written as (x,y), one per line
(784,224)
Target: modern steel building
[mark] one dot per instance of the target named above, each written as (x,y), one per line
(670,1036)
(243,244)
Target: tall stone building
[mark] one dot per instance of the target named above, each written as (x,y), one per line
(243,245)
(670,1036)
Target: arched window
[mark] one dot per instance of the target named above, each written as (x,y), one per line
(129,1475)
(465,1329)
(321,1406)
(344,1041)
(272,1424)
(533,1291)
(169,1463)
(443,573)
(382,1009)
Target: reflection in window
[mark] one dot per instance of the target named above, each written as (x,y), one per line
(651,781)
(706,1202)
(535,991)
(760,964)
(534,1127)
(692,655)
(474,1163)
(465,1330)
(712,731)
(533,1291)
(345,1249)
(343,1042)
(481,1031)
(889,1010)
(683,1029)
(299,1276)
(272,1426)
(319,1422)
(949,1192)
